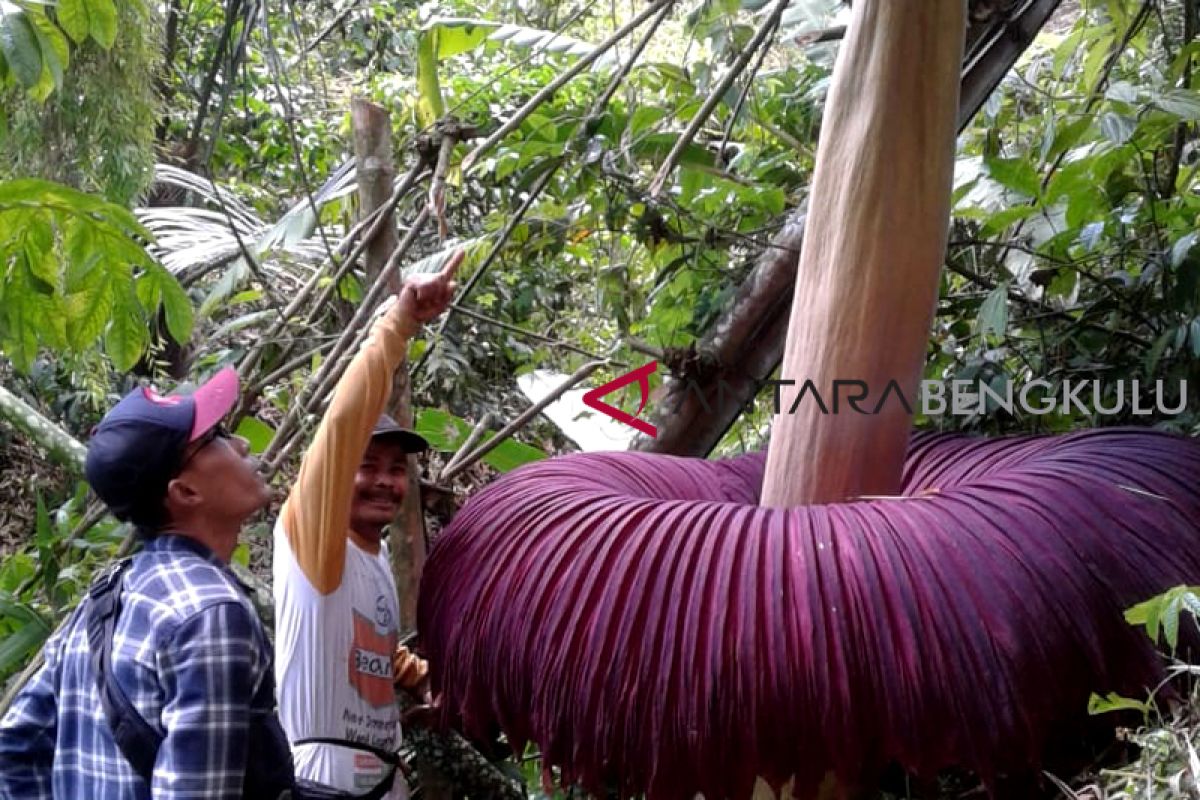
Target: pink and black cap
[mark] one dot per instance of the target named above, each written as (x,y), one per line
(138,446)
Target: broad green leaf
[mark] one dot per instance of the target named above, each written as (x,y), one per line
(1156,351)
(40,257)
(1170,622)
(44,535)
(127,335)
(999,222)
(74,18)
(19,333)
(20,48)
(1016,174)
(28,630)
(443,430)
(1147,613)
(1183,245)
(82,253)
(258,433)
(241,555)
(1117,128)
(443,37)
(1182,103)
(102,16)
(993,313)
(89,309)
(643,117)
(56,52)
(176,304)
(430,106)
(511,454)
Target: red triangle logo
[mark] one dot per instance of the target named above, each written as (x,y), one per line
(642,376)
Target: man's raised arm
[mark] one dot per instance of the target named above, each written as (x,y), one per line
(316,515)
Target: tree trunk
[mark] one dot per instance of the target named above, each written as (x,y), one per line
(61,446)
(867,284)
(746,345)
(376,173)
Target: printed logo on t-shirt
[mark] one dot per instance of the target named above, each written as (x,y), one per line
(371,662)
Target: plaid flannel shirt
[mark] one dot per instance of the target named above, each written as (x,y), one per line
(190,653)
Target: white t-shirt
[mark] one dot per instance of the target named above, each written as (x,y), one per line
(333,667)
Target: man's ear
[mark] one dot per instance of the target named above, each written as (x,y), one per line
(182,494)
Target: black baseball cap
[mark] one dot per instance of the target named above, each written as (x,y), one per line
(388,429)
(137,447)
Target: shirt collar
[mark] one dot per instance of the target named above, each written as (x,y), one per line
(167,542)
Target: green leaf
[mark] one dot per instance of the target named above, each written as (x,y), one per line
(444,431)
(1182,103)
(1183,245)
(511,454)
(89,309)
(999,222)
(56,52)
(1016,174)
(258,433)
(1147,614)
(44,536)
(176,304)
(19,334)
(1113,702)
(102,15)
(40,257)
(1170,622)
(127,335)
(993,314)
(1156,351)
(241,555)
(73,16)
(30,630)
(19,46)
(1117,128)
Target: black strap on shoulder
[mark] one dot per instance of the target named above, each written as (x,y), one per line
(137,741)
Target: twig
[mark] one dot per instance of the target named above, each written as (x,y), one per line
(372,224)
(328,29)
(289,119)
(466,312)
(1022,299)
(534,191)
(519,422)
(614,84)
(737,108)
(287,368)
(210,79)
(833,34)
(471,441)
(355,331)
(638,346)
(552,87)
(715,97)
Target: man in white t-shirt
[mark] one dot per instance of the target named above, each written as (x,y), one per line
(337,652)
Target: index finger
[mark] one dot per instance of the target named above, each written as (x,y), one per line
(452,264)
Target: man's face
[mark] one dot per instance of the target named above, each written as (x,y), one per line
(379,485)
(220,477)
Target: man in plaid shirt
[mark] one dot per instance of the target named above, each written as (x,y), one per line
(188,649)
